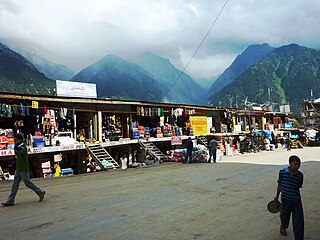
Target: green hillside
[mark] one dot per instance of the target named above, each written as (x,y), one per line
(17,75)
(286,75)
(184,90)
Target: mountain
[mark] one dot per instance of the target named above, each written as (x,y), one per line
(182,90)
(18,75)
(247,58)
(48,68)
(206,83)
(286,75)
(118,78)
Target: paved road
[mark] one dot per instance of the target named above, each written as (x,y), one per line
(226,200)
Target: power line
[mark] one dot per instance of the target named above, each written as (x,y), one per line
(199,46)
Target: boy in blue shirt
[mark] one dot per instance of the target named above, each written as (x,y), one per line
(289,183)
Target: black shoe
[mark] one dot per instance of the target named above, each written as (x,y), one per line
(6,204)
(42,196)
(283,231)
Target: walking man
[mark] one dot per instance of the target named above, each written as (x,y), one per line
(213,150)
(21,173)
(289,183)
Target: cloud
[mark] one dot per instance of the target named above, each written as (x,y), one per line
(9,7)
(78,33)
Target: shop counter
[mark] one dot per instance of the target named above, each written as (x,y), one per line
(136,141)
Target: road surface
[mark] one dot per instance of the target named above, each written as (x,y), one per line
(226,200)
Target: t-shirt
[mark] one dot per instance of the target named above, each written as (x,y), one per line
(213,145)
(290,184)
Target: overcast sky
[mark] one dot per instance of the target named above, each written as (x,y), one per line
(80,32)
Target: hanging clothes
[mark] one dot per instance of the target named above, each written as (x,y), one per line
(15,110)
(6,111)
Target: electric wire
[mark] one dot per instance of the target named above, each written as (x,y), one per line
(197,49)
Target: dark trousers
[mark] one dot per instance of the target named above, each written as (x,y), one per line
(213,155)
(294,207)
(189,156)
(18,176)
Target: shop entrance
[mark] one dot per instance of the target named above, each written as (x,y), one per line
(87,124)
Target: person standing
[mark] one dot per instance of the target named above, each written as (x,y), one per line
(21,173)
(189,150)
(289,183)
(213,150)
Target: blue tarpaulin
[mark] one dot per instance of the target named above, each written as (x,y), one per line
(264,132)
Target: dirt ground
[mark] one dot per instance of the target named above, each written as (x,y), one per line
(226,200)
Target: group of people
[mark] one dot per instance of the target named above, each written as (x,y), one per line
(212,151)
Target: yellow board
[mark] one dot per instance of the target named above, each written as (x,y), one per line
(35,104)
(198,124)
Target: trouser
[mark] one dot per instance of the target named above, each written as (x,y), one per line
(294,207)
(15,186)
(189,156)
(213,154)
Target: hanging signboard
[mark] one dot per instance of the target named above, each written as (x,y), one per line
(199,125)
(76,89)
(35,104)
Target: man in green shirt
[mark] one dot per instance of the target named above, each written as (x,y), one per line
(21,173)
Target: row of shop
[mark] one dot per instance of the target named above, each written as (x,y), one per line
(60,125)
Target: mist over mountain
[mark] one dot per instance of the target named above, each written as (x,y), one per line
(285,76)
(206,83)
(18,75)
(251,55)
(118,78)
(48,68)
(182,90)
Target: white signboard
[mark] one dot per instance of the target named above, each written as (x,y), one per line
(10,152)
(238,128)
(76,89)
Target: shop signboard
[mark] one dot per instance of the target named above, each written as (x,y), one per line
(238,128)
(176,140)
(56,148)
(6,153)
(76,89)
(35,104)
(199,125)
(115,108)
